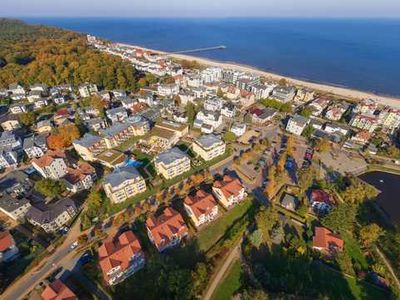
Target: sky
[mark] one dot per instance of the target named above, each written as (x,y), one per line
(201,8)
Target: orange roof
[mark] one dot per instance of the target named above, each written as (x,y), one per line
(118,252)
(76,175)
(325,239)
(57,290)
(48,158)
(6,241)
(201,203)
(165,227)
(229,186)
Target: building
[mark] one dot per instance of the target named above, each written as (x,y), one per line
(336,111)
(366,107)
(318,105)
(8,248)
(53,216)
(123,183)
(51,165)
(212,118)
(9,122)
(283,93)
(261,116)
(89,146)
(168,90)
(80,178)
(327,242)
(228,110)
(304,95)
(120,257)
(57,290)
(96,124)
(209,147)
(14,207)
(17,108)
(117,114)
(201,208)
(238,129)
(365,122)
(8,158)
(290,202)
(321,201)
(213,104)
(297,124)
(172,163)
(229,191)
(86,90)
(112,158)
(32,148)
(167,230)
(212,74)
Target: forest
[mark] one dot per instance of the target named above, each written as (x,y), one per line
(32,53)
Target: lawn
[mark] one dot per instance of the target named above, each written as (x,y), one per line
(353,250)
(210,234)
(230,284)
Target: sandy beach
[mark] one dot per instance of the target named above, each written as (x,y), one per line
(350,94)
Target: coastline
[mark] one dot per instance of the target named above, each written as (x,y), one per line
(347,93)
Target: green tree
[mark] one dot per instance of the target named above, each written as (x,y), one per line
(256,238)
(229,137)
(27,119)
(342,218)
(308,131)
(49,187)
(306,112)
(369,234)
(220,93)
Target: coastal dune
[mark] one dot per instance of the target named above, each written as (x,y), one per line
(344,92)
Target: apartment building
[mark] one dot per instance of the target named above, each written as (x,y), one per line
(229,191)
(201,208)
(51,165)
(209,146)
(172,163)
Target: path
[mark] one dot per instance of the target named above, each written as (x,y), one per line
(388,265)
(234,254)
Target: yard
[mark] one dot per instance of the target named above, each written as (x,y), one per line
(230,284)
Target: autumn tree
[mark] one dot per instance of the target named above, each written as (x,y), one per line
(341,218)
(27,119)
(323,145)
(290,146)
(63,136)
(281,163)
(369,234)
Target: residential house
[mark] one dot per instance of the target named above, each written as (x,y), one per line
(296,124)
(172,163)
(17,108)
(123,183)
(44,126)
(34,96)
(336,111)
(8,158)
(201,207)
(212,118)
(33,148)
(86,90)
(390,118)
(290,202)
(96,124)
(53,216)
(9,123)
(168,90)
(17,91)
(304,95)
(80,178)
(326,241)
(283,93)
(40,103)
(366,107)
(213,104)
(117,114)
(238,129)
(88,146)
(365,122)
(361,137)
(51,165)
(120,257)
(209,147)
(8,249)
(39,87)
(119,93)
(57,290)
(318,105)
(261,116)
(112,158)
(167,230)
(336,129)
(14,206)
(211,74)
(261,91)
(229,191)
(228,110)
(321,201)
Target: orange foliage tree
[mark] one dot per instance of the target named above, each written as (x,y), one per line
(63,137)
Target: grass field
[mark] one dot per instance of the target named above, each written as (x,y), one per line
(230,284)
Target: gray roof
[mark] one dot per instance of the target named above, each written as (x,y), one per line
(28,142)
(289,200)
(88,140)
(11,204)
(169,156)
(208,141)
(13,178)
(300,120)
(117,110)
(120,175)
(114,129)
(43,214)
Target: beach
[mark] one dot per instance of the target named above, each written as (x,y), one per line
(347,93)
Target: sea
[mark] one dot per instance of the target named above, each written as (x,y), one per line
(362,54)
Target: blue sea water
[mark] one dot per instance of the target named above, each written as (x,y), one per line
(362,54)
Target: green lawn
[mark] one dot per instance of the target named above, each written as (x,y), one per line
(210,234)
(230,284)
(353,250)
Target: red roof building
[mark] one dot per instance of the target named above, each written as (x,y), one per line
(120,257)
(8,249)
(324,240)
(321,196)
(166,230)
(201,207)
(57,290)
(229,191)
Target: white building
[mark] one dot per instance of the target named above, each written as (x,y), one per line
(238,129)
(209,147)
(297,124)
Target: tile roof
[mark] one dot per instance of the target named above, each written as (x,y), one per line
(57,290)
(48,158)
(324,238)
(201,203)
(6,241)
(118,251)
(229,186)
(166,226)
(78,174)
(321,196)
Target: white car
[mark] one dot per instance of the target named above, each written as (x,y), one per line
(74,245)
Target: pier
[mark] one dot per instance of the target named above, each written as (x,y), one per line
(221,47)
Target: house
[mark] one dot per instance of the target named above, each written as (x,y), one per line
(206,129)
(390,118)
(60,99)
(321,201)
(327,242)
(86,90)
(80,178)
(261,116)
(336,129)
(172,163)
(51,165)
(53,216)
(366,107)
(117,114)
(33,148)
(44,126)
(96,124)
(212,118)
(261,91)
(361,137)
(304,95)
(88,146)
(17,91)
(211,74)
(8,158)
(290,202)
(168,90)
(366,122)
(283,93)
(213,104)
(34,96)
(14,206)
(167,230)
(179,129)
(228,110)
(335,112)
(209,147)
(119,93)
(17,108)
(238,129)
(16,183)
(39,87)
(57,290)
(120,257)
(229,191)
(123,183)
(201,208)
(8,248)
(318,105)
(181,117)
(40,103)
(9,123)
(112,158)
(296,124)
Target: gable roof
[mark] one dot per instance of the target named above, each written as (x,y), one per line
(229,186)
(6,241)
(48,158)
(325,239)
(201,203)
(57,290)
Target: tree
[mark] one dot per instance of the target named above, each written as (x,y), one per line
(357,191)
(27,119)
(63,136)
(341,218)
(250,294)
(49,187)
(306,112)
(290,146)
(282,82)
(308,131)
(82,239)
(323,145)
(191,112)
(281,163)
(306,178)
(229,137)
(220,93)
(200,278)
(369,234)
(256,238)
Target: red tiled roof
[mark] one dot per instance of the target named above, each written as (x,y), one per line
(48,158)
(6,241)
(166,226)
(325,239)
(201,203)
(118,252)
(78,174)
(57,290)
(321,196)
(229,186)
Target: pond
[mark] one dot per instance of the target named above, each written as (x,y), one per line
(389,198)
